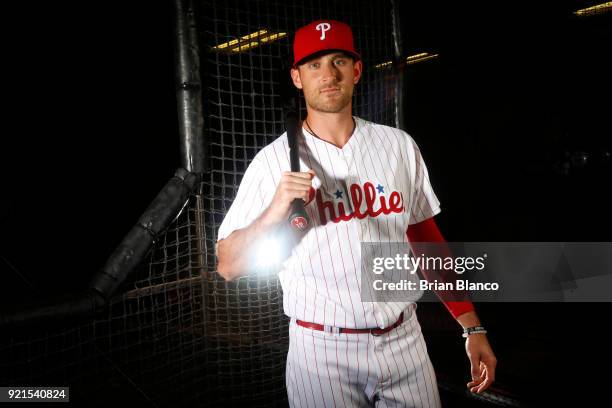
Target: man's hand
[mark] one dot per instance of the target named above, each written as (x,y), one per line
(292,185)
(233,252)
(482,362)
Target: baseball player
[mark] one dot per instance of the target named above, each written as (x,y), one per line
(361,182)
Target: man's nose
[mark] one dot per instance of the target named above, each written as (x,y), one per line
(329,72)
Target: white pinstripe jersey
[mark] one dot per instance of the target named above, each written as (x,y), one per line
(369,190)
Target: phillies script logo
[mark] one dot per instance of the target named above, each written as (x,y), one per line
(375,205)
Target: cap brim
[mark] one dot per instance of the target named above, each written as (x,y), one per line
(355,56)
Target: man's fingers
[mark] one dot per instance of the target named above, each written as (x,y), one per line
(307,175)
(486,384)
(475,368)
(489,370)
(297,193)
(296,186)
(296,180)
(473,384)
(296,183)
(487,378)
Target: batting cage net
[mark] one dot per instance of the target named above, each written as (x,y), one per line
(176,334)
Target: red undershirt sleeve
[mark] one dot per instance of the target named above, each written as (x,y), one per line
(427,231)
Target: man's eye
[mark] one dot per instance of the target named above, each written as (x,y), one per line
(340,62)
(313,65)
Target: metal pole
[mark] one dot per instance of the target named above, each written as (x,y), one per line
(399,65)
(189,89)
(191,128)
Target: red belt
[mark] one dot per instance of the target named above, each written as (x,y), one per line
(377,331)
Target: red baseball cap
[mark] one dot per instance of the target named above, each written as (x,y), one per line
(323,35)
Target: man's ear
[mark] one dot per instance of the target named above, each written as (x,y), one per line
(357,71)
(295,76)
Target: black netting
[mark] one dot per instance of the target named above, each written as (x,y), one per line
(178,334)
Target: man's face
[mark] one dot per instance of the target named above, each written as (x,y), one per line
(328,81)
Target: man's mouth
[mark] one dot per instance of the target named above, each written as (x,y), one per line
(330,90)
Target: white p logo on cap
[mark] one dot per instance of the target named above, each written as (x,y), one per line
(323,27)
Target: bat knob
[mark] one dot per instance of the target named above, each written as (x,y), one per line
(299,223)
(298,218)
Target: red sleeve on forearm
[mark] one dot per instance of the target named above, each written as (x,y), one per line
(424,231)
(427,231)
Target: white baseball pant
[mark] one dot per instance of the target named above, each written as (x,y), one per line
(360,370)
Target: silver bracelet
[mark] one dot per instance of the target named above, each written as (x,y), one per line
(473,330)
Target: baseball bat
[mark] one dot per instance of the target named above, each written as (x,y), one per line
(298,218)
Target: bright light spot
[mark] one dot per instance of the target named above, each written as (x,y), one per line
(249,41)
(268,253)
(598,9)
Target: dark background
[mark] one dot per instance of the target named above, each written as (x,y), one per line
(513,119)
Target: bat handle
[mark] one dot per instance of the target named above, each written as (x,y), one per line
(298,219)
